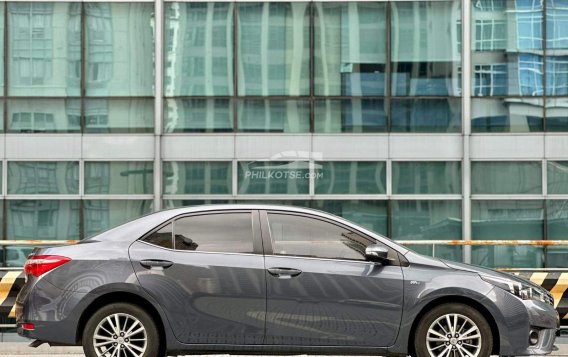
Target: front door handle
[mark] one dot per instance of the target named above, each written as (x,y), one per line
(284,273)
(151,263)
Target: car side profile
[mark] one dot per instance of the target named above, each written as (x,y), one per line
(272,280)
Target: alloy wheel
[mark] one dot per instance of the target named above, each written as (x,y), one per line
(453,335)
(120,335)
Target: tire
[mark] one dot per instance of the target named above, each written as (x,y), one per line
(143,339)
(473,331)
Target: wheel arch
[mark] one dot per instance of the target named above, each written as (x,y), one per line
(121,297)
(456,299)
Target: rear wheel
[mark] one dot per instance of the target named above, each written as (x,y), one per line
(121,330)
(453,330)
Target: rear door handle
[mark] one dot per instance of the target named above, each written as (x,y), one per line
(284,273)
(151,263)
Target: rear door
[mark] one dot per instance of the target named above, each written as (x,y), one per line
(207,271)
(321,290)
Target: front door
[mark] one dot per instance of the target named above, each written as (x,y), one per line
(320,289)
(207,272)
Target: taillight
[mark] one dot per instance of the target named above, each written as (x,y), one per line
(38,265)
(28,326)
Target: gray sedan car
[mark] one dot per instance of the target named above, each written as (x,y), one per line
(272,280)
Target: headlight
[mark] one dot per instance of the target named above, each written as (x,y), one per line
(524,291)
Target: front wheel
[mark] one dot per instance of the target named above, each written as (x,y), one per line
(453,330)
(121,329)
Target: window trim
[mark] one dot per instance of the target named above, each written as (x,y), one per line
(257,243)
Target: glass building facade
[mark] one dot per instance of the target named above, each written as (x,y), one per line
(417,119)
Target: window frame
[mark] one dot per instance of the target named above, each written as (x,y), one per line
(257,243)
(268,243)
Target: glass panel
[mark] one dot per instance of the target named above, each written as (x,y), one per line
(43,219)
(557,229)
(356,177)
(197,178)
(507,48)
(556,44)
(426,177)
(33,177)
(208,233)
(507,115)
(273,177)
(427,220)
(198,115)
(500,220)
(350,48)
(307,237)
(44,115)
(350,115)
(2,10)
(199,49)
(184,203)
(119,49)
(100,215)
(273,50)
(506,178)
(426,48)
(557,177)
(426,115)
(162,237)
(275,116)
(119,177)
(119,115)
(371,215)
(44,49)
(557,114)
(16,256)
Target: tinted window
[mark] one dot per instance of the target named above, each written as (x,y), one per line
(303,236)
(162,237)
(227,232)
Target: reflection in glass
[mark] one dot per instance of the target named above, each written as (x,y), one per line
(16,256)
(167,204)
(273,177)
(557,44)
(119,49)
(44,115)
(197,177)
(119,115)
(557,74)
(44,48)
(274,116)
(273,48)
(426,115)
(507,44)
(516,115)
(506,177)
(350,48)
(370,214)
(557,177)
(198,115)
(426,48)
(426,177)
(43,219)
(350,115)
(119,177)
(100,215)
(427,220)
(350,177)
(557,229)
(557,114)
(199,49)
(45,177)
(505,220)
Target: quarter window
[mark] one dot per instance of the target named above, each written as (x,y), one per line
(226,232)
(303,236)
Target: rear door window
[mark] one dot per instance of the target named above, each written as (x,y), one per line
(222,232)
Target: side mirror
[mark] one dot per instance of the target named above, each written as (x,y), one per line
(377,253)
